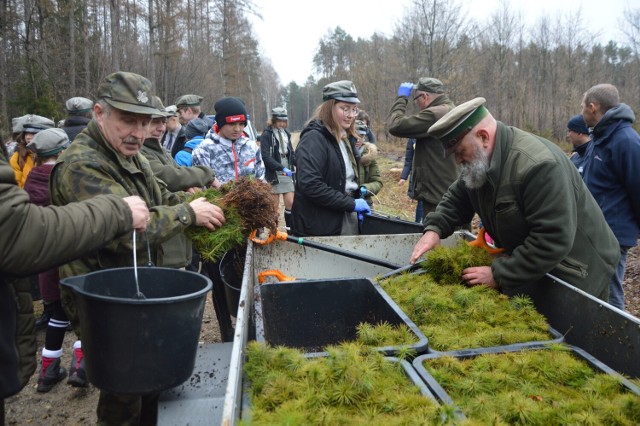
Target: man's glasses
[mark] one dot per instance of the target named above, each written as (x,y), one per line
(418,96)
(349,112)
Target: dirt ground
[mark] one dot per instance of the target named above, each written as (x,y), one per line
(65,405)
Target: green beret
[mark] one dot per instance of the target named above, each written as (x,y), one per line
(189,100)
(455,124)
(49,142)
(429,84)
(343,90)
(127,91)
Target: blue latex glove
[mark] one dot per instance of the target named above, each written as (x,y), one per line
(405,89)
(287,171)
(362,206)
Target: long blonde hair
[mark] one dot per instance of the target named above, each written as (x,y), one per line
(324,113)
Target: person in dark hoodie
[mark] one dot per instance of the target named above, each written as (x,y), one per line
(327,196)
(612,171)
(578,137)
(79,113)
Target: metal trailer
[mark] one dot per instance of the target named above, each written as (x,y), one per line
(214,393)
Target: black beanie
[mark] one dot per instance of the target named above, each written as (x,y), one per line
(230,110)
(196,127)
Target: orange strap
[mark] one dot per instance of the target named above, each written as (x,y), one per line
(279,235)
(480,242)
(273,273)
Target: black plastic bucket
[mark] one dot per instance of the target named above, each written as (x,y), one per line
(139,346)
(231,271)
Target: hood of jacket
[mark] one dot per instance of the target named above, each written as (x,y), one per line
(606,124)
(193,143)
(369,153)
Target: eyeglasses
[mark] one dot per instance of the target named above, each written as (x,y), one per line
(349,111)
(418,96)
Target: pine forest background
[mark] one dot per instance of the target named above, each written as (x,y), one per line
(533,74)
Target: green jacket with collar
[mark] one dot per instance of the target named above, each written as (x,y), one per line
(165,168)
(431,171)
(535,206)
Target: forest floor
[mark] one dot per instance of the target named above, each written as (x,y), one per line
(66,405)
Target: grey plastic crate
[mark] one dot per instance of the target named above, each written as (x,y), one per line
(309,315)
(443,397)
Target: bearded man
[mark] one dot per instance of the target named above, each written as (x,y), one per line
(530,198)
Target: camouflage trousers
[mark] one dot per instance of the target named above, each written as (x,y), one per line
(127,410)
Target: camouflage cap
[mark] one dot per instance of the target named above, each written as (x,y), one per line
(17,122)
(79,104)
(189,100)
(157,104)
(279,113)
(49,142)
(455,124)
(127,91)
(343,90)
(361,127)
(429,84)
(36,123)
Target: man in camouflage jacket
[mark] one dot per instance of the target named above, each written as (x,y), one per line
(106,159)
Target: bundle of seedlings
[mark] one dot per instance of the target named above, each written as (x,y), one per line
(541,387)
(445,264)
(454,316)
(247,204)
(353,385)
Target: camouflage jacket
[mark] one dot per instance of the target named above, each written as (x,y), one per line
(90,166)
(230,159)
(177,178)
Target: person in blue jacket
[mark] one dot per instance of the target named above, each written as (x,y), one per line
(612,171)
(194,131)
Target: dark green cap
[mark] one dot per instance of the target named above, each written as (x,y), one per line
(343,90)
(157,104)
(127,91)
(429,84)
(79,105)
(455,124)
(189,100)
(49,142)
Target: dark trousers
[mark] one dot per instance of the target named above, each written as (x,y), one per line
(129,410)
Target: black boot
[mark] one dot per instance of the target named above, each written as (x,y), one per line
(287,219)
(43,321)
